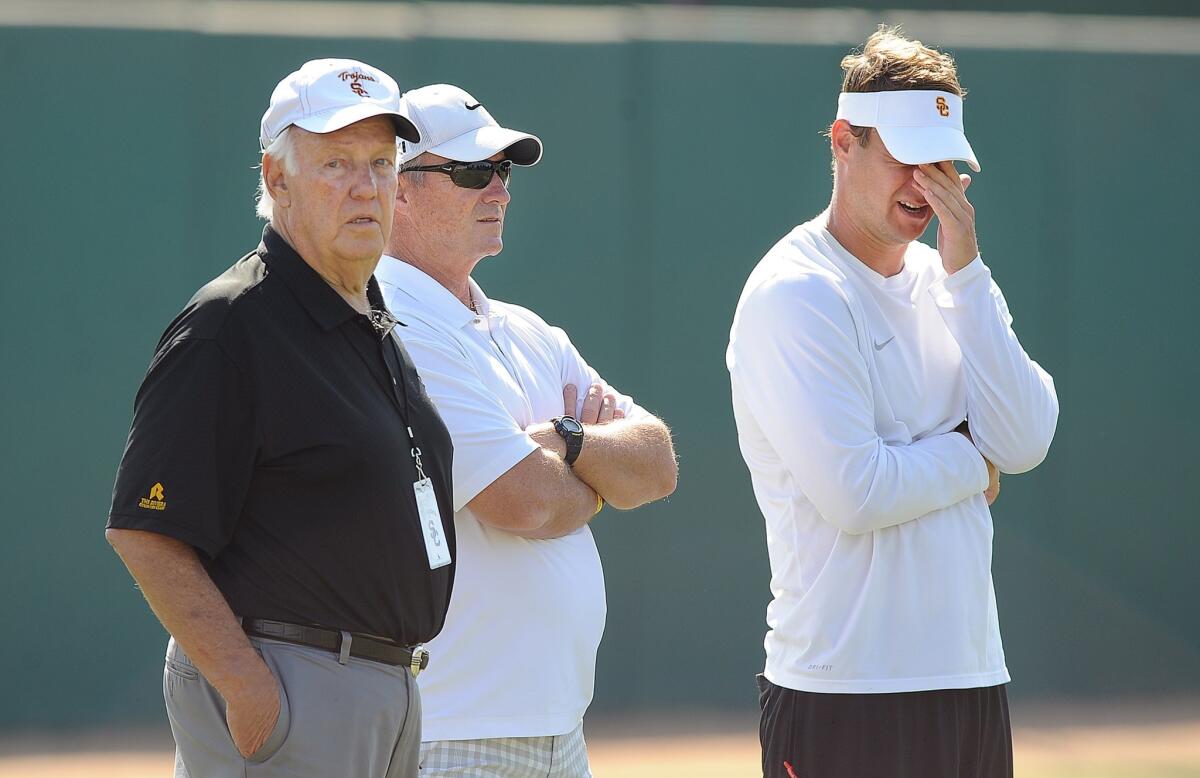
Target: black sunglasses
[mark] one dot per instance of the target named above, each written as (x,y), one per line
(469,175)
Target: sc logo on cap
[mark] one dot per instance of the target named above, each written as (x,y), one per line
(942,108)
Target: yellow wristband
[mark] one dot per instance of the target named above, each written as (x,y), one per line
(599,503)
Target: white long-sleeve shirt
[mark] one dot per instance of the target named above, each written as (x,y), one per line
(846,389)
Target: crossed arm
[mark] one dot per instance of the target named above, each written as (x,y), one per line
(799,378)
(627,462)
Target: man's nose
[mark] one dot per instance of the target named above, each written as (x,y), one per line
(364,186)
(496,191)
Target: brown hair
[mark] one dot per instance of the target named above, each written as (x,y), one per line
(889,62)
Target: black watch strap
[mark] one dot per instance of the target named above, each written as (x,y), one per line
(571,431)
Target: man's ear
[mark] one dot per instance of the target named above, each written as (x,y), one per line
(841,140)
(404,191)
(276,179)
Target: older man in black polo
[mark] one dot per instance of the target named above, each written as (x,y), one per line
(281,497)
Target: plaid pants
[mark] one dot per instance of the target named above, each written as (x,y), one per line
(553,756)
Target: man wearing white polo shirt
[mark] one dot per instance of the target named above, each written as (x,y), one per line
(541,442)
(879,390)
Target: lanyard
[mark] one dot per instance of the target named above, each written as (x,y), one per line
(416,454)
(429,515)
(401,385)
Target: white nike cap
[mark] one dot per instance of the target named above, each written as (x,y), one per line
(917,126)
(328,94)
(456,126)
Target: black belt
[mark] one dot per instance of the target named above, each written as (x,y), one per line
(344,644)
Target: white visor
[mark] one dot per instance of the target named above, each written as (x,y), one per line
(917,126)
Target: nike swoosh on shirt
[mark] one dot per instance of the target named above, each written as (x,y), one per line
(472,107)
(879,346)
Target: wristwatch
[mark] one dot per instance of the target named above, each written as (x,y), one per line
(572,432)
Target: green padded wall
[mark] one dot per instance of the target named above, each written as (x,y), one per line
(669,169)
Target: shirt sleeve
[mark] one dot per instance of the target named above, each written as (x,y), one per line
(1011,403)
(488,441)
(576,370)
(794,361)
(190,455)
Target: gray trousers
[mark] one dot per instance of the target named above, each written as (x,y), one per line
(360,719)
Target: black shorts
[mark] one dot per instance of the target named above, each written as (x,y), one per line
(951,733)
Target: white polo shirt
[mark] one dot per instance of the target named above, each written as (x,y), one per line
(846,388)
(517,657)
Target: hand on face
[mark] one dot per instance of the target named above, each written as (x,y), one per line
(945,191)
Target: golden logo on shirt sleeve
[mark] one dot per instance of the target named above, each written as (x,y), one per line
(155,501)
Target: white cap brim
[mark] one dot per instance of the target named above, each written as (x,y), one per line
(482,142)
(344,117)
(927,145)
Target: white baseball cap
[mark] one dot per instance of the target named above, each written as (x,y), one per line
(328,94)
(916,126)
(456,126)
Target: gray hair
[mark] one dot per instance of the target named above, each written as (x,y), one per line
(418,176)
(281,151)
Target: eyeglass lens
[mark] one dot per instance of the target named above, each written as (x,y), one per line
(477,175)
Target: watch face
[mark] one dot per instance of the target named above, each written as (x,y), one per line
(571,425)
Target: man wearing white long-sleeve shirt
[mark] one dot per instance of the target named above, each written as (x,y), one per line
(879,390)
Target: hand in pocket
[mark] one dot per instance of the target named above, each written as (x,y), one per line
(252,717)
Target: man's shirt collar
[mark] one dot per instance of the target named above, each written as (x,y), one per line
(427,294)
(321,300)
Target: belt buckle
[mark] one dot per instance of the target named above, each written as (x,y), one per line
(420,660)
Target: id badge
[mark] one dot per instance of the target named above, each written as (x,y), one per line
(431,524)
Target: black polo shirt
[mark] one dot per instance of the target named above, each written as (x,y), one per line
(270,433)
